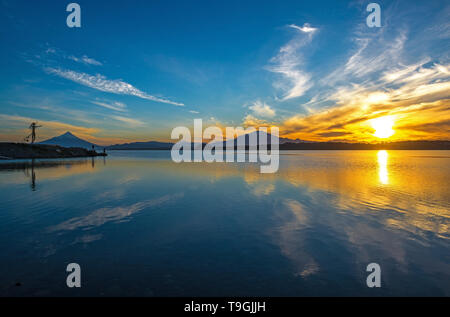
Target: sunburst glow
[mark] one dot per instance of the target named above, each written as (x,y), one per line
(383,127)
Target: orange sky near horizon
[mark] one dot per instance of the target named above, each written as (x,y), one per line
(417,109)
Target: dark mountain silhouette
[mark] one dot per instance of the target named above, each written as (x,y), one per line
(289,144)
(150,145)
(261,135)
(401,145)
(69,140)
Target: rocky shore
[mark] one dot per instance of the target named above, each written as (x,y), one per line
(9,151)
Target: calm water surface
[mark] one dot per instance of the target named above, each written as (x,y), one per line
(139,224)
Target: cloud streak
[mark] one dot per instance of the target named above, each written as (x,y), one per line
(371,56)
(129,121)
(116,106)
(294,81)
(306,28)
(102,83)
(85,60)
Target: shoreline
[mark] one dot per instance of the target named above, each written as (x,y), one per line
(15,151)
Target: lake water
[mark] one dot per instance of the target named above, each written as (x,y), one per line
(140,225)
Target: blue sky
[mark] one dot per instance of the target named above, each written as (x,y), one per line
(137,69)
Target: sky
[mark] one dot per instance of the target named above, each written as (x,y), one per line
(135,70)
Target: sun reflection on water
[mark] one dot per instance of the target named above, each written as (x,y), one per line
(382,167)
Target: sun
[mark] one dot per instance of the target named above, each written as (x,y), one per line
(383,126)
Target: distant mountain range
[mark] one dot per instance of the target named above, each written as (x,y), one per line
(150,145)
(69,140)
(261,135)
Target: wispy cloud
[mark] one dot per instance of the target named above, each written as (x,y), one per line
(129,121)
(85,60)
(294,80)
(116,106)
(372,55)
(306,28)
(102,83)
(417,96)
(262,109)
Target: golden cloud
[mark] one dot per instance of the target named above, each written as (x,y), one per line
(417,100)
